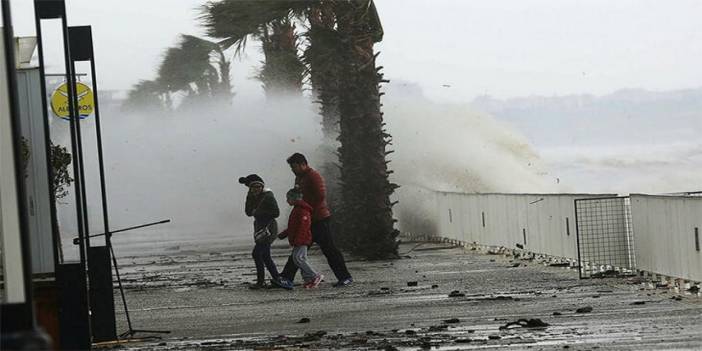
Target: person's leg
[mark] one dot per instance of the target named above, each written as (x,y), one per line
(260,271)
(300,257)
(268,261)
(290,270)
(321,234)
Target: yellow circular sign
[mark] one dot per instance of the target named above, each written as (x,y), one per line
(86,101)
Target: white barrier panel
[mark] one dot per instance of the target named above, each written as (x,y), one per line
(540,223)
(666,240)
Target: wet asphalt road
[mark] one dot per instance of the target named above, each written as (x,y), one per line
(203,299)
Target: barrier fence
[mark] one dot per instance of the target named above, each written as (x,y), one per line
(604,236)
(608,235)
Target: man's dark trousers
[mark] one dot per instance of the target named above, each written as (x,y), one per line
(321,234)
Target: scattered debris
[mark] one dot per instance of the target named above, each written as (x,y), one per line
(438,328)
(607,274)
(526,323)
(381,291)
(316,336)
(456,293)
(586,309)
(499,298)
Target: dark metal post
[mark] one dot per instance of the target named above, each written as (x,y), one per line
(56,235)
(82,50)
(75,121)
(56,10)
(577,240)
(25,316)
(81,41)
(71,279)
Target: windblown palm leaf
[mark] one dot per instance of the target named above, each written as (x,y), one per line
(234,20)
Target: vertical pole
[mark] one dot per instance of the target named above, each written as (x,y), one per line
(27,308)
(82,50)
(577,240)
(103,187)
(47,140)
(75,119)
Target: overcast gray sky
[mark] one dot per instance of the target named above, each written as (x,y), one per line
(504,48)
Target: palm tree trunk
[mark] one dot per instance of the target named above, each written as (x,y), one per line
(282,70)
(323,58)
(367,210)
(225,80)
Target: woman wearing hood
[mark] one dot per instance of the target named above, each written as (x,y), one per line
(262,206)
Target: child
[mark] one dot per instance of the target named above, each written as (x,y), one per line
(300,236)
(261,205)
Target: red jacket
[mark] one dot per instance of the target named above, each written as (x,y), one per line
(314,193)
(299,231)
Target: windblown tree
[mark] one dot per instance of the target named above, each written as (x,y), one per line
(196,67)
(323,57)
(367,209)
(191,68)
(147,96)
(271,22)
(339,57)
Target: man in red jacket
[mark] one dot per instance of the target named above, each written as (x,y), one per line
(311,184)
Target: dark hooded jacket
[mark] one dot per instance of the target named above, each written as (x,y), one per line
(264,209)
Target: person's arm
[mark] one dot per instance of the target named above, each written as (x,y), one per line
(268,207)
(293,224)
(250,205)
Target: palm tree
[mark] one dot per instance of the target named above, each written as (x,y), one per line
(234,21)
(189,67)
(366,189)
(323,58)
(195,66)
(148,96)
(340,56)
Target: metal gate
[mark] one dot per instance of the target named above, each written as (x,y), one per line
(605,237)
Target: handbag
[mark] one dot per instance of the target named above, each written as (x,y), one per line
(264,235)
